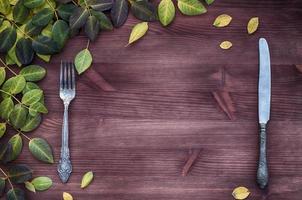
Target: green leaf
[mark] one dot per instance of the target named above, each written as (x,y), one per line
(33,3)
(5,24)
(209,2)
(15,143)
(144,10)
(15,194)
(5,7)
(20,12)
(138,31)
(78,18)
(2,186)
(37,108)
(6,107)
(33,73)
(11,57)
(3,149)
(100,5)
(86,180)
(43,17)
(24,51)
(41,150)
(29,86)
(119,12)
(2,75)
(19,173)
(31,97)
(60,33)
(222,20)
(50,4)
(191,7)
(2,129)
(45,45)
(83,61)
(32,30)
(104,21)
(92,27)
(32,123)
(14,85)
(166,12)
(30,187)
(45,58)
(42,183)
(18,116)
(66,10)
(8,38)
(47,31)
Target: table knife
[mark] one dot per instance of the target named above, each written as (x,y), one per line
(264,103)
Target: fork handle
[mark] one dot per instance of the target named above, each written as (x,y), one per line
(262,173)
(65,167)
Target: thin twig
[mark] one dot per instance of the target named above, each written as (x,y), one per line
(11,96)
(6,177)
(20,29)
(88,43)
(6,66)
(75,3)
(20,132)
(54,9)
(87,7)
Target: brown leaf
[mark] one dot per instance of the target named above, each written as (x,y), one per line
(299,68)
(193,155)
(225,102)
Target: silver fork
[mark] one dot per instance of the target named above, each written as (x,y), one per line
(67,94)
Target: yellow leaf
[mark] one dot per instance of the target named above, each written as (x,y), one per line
(226,45)
(30,186)
(67,196)
(222,20)
(240,193)
(253,24)
(138,31)
(86,180)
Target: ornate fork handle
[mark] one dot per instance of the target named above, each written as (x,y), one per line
(65,167)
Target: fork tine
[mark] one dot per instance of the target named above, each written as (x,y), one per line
(61,76)
(69,75)
(65,76)
(73,77)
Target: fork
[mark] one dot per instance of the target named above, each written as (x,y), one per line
(67,94)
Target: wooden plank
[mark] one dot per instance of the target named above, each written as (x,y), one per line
(136,136)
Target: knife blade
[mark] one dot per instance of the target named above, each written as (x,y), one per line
(264,103)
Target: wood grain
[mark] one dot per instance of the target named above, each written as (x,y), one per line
(158,105)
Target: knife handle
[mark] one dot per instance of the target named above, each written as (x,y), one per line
(262,173)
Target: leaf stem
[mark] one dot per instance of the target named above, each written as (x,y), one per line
(88,43)
(54,9)
(21,133)
(24,33)
(6,177)
(87,7)
(74,2)
(6,66)
(12,97)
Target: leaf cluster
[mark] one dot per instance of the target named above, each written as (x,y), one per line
(41,28)
(21,109)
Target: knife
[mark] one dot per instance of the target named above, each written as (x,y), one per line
(264,104)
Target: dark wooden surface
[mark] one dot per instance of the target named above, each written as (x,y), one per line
(136,138)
